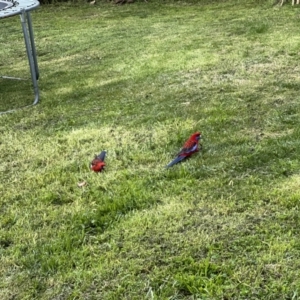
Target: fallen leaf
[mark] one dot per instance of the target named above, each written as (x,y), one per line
(82,184)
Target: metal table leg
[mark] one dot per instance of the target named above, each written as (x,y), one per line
(32,44)
(31,54)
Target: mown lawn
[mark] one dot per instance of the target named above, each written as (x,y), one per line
(137,80)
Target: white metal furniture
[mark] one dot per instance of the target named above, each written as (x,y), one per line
(10,8)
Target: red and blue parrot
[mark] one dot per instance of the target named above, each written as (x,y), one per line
(190,146)
(98,163)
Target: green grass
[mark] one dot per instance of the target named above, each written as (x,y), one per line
(137,80)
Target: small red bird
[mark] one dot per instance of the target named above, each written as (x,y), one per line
(98,163)
(190,146)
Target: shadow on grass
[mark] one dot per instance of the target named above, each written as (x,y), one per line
(10,96)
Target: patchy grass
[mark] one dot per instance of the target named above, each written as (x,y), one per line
(137,80)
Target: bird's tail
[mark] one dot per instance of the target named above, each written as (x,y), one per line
(102,155)
(175,161)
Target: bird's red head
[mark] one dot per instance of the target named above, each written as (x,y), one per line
(196,136)
(97,165)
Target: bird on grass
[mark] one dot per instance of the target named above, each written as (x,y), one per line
(98,164)
(190,146)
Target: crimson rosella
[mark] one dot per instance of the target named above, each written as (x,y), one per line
(98,163)
(190,146)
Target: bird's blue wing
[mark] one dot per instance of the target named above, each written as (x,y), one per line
(187,150)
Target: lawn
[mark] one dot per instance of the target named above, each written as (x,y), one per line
(137,80)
